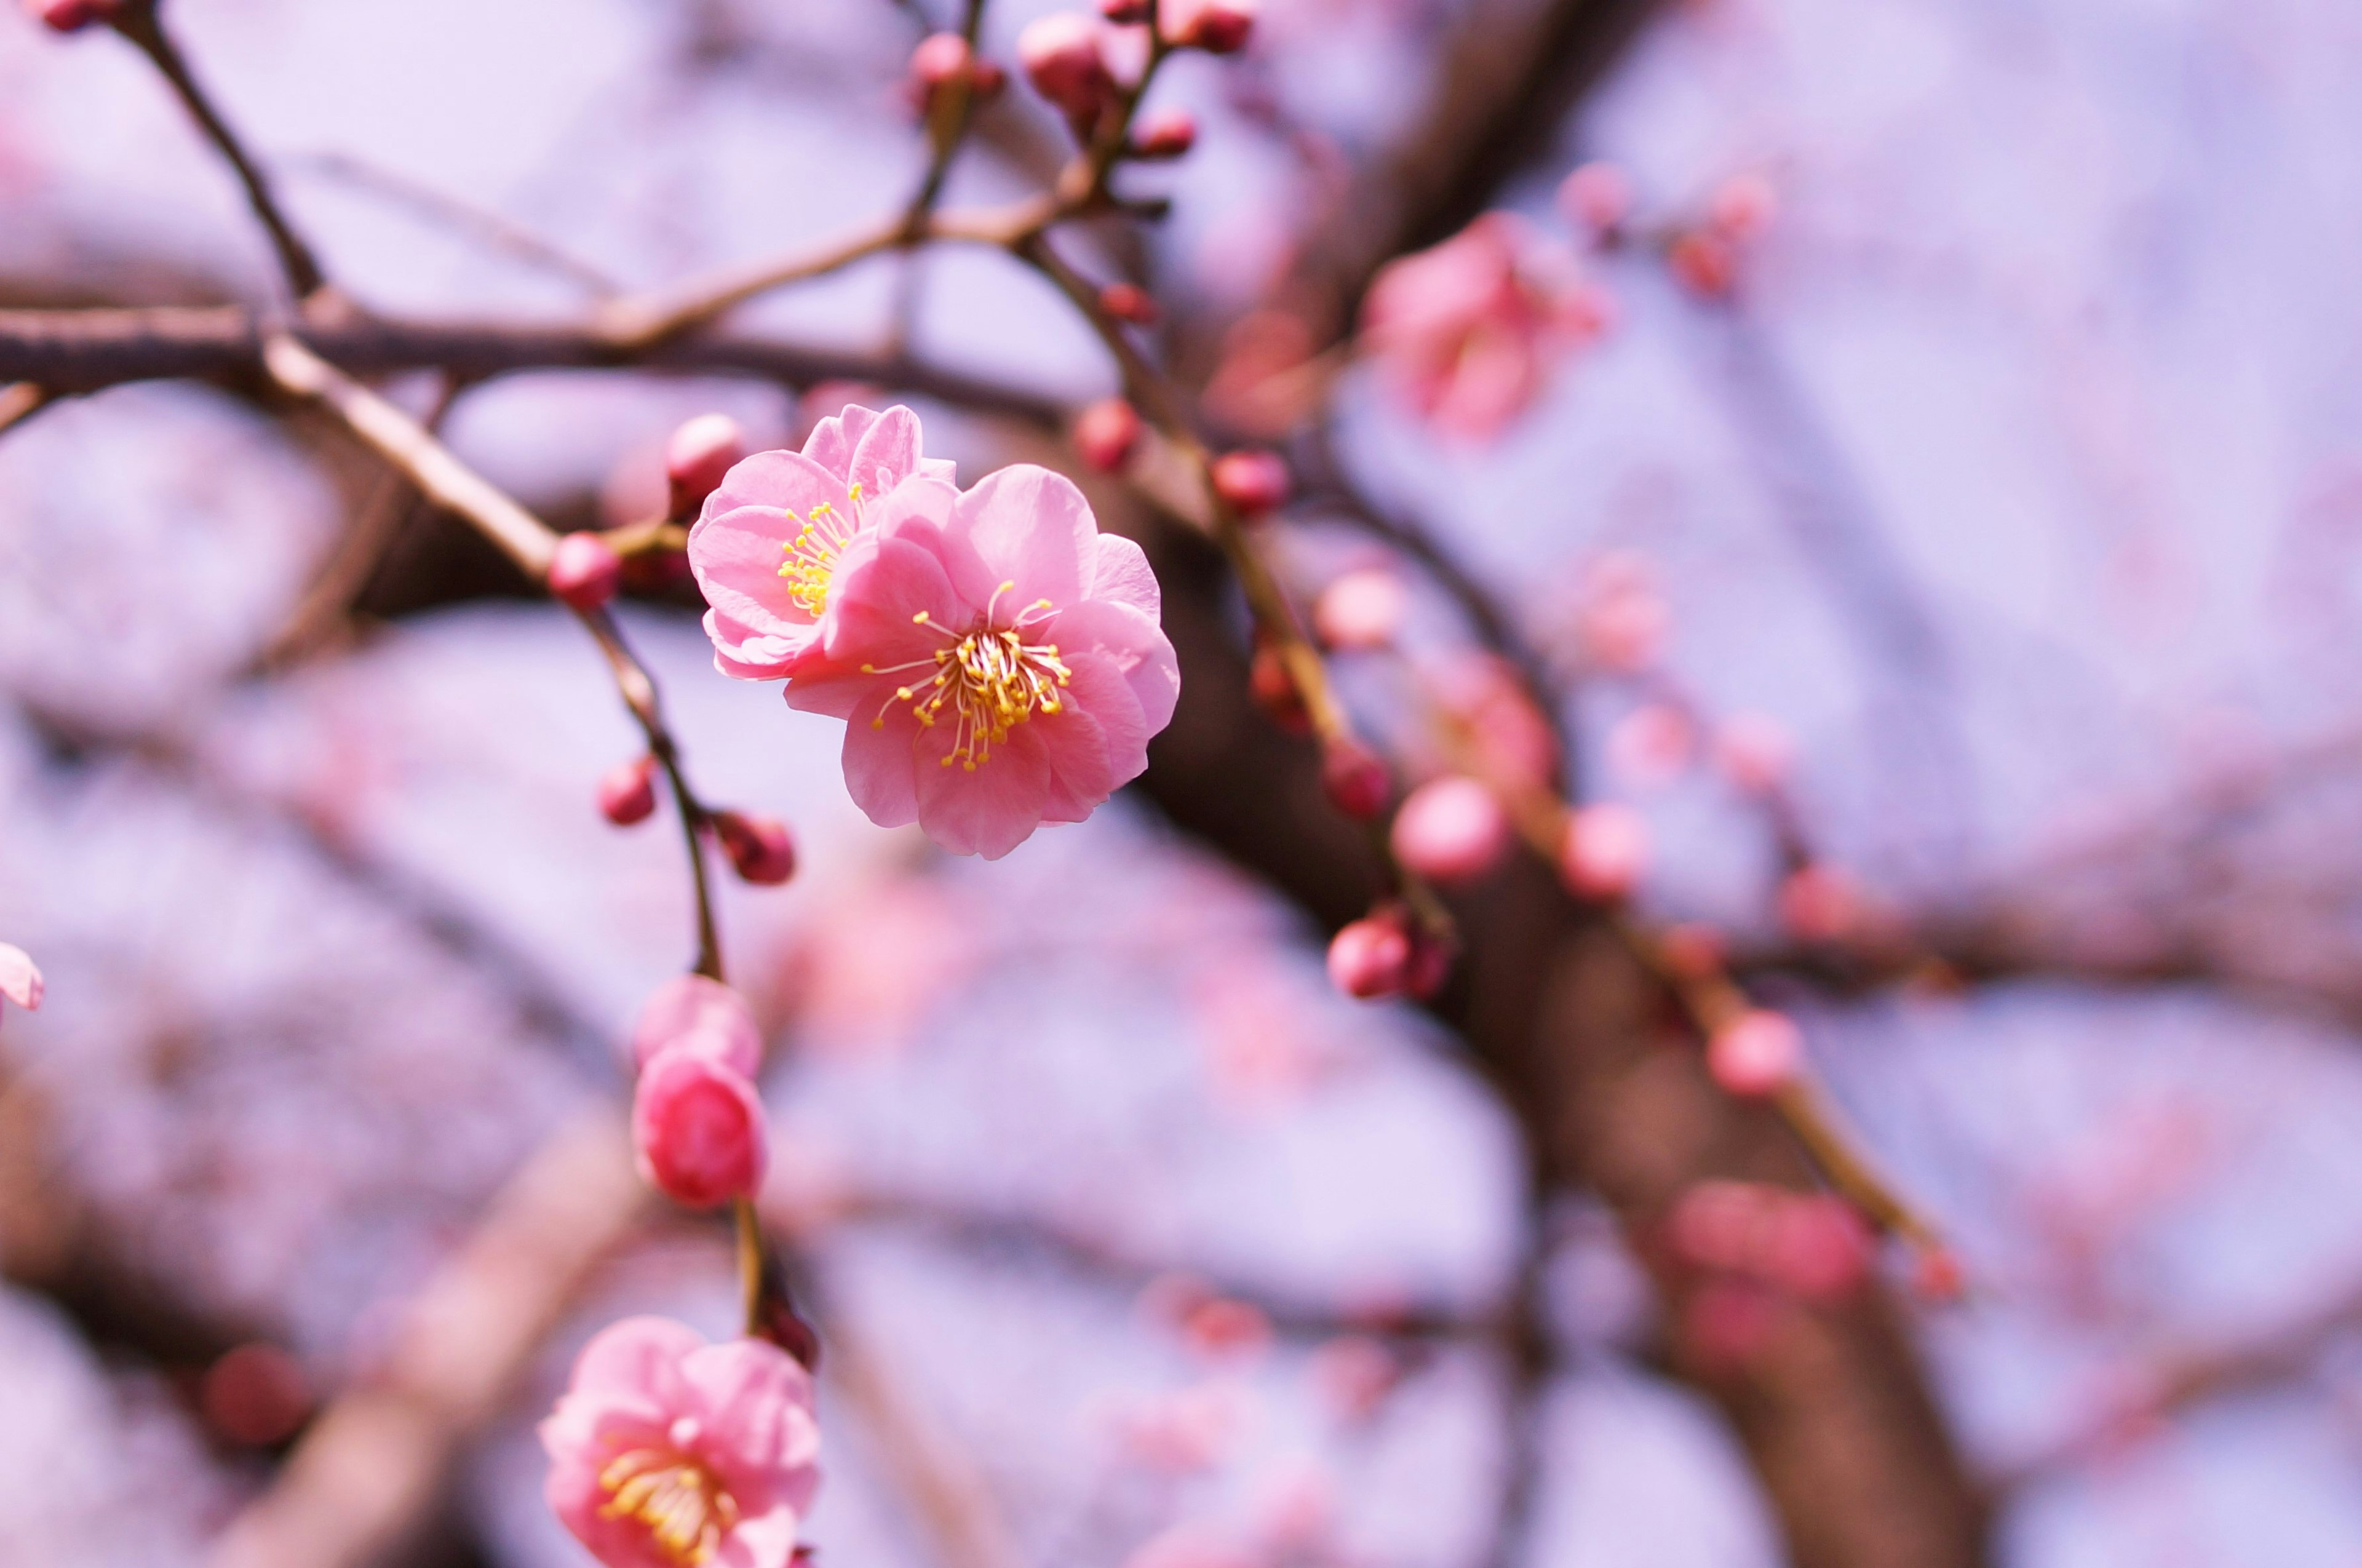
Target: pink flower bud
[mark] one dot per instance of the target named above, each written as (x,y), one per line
(699,453)
(255,1395)
(1061,54)
(1274,689)
(1167,133)
(1756,1053)
(759,848)
(585,571)
(1651,745)
(1819,1248)
(1361,610)
(1223,1329)
(1106,433)
(1597,195)
(697,1129)
(1743,207)
(1217,26)
(693,1012)
(1755,752)
(1693,950)
(1705,263)
(1604,852)
(1357,780)
(1450,830)
(1125,13)
(940,60)
(1723,1224)
(20,979)
(1252,482)
(72,16)
(1726,1321)
(1128,302)
(1819,903)
(1371,959)
(627,791)
(1353,1374)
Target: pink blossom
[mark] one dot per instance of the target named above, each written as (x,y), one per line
(697,1128)
(1604,852)
(1597,195)
(1470,330)
(1217,26)
(699,458)
(1371,959)
(1361,610)
(1186,1546)
(1164,133)
(1105,434)
(1252,482)
(1820,1247)
(1651,743)
(760,848)
(996,658)
(1450,830)
(768,548)
(1819,903)
(585,571)
(1353,1374)
(667,1452)
(702,1014)
(1189,1428)
(1743,207)
(20,979)
(1756,1053)
(627,791)
(1064,56)
(1755,751)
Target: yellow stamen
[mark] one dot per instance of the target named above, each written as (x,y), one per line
(811,553)
(681,1501)
(987,682)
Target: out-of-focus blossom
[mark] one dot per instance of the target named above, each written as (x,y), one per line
(627,791)
(857,990)
(1353,1374)
(1221,1329)
(1513,741)
(1604,852)
(941,61)
(1275,690)
(256,1395)
(1064,55)
(1296,1510)
(1819,903)
(697,1128)
(1450,830)
(760,848)
(1361,610)
(1217,26)
(698,456)
(1726,1321)
(1621,616)
(1755,752)
(1755,1054)
(72,16)
(1129,302)
(1188,1429)
(997,661)
(766,548)
(1470,330)
(1693,949)
(1187,1545)
(1706,263)
(1164,133)
(1370,958)
(1105,434)
(20,979)
(1262,383)
(1252,482)
(1597,195)
(1357,780)
(1743,207)
(667,1452)
(693,1012)
(1651,745)
(585,571)
(1812,1245)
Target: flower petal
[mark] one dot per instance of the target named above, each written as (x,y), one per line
(1138,646)
(1025,526)
(754,1406)
(880,759)
(1119,573)
(20,977)
(886,451)
(991,808)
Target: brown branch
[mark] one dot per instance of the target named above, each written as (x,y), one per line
(496,231)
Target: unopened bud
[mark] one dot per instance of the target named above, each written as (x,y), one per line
(585,570)
(1597,195)
(1743,207)
(940,60)
(1129,302)
(20,977)
(1756,1053)
(697,1129)
(627,791)
(759,848)
(1252,482)
(1217,26)
(696,458)
(1705,263)
(1167,133)
(1125,13)
(72,16)
(1371,959)
(1357,780)
(1062,58)
(697,1012)
(1274,691)
(1361,610)
(1450,830)
(1106,433)
(1604,852)
(1819,903)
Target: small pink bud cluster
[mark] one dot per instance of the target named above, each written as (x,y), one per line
(697,1125)
(20,977)
(1450,830)
(1385,954)
(1707,256)
(943,60)
(1065,56)
(1252,482)
(72,16)
(1362,610)
(1107,433)
(1604,852)
(1757,1053)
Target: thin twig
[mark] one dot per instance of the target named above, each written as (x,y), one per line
(500,233)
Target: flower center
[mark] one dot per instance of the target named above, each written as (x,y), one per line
(681,1501)
(811,553)
(986,683)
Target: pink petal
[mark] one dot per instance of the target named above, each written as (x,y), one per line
(991,810)
(1115,748)
(942,468)
(637,1356)
(693,1007)
(1119,573)
(875,609)
(881,763)
(1136,645)
(1026,525)
(20,979)
(766,1540)
(737,555)
(1074,745)
(754,1406)
(779,481)
(886,452)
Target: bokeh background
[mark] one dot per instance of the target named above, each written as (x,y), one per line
(2018,481)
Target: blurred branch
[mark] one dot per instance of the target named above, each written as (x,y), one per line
(500,233)
(19,402)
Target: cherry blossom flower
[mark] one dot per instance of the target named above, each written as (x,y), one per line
(1469,329)
(996,660)
(768,547)
(667,1452)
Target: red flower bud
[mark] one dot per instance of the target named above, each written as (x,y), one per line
(940,60)
(1755,1054)
(1357,780)
(699,453)
(1106,433)
(697,1128)
(1275,691)
(1128,302)
(759,848)
(1167,133)
(585,570)
(1371,959)
(1252,482)
(1061,56)
(1604,852)
(627,791)
(72,16)
(1217,26)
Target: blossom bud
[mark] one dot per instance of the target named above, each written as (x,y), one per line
(1167,133)
(1217,26)
(1597,195)
(1357,780)
(1742,207)
(1755,1054)
(1651,745)
(1755,752)
(1450,830)
(693,1012)
(1819,903)
(1604,852)
(1125,13)
(1705,263)
(1061,56)
(72,16)
(699,453)
(1129,302)
(1693,950)
(1936,1276)
(1819,1248)
(1274,691)
(1106,433)
(1371,959)
(940,60)
(759,848)
(627,791)
(256,1395)
(585,571)
(1252,482)
(20,979)
(1361,610)
(697,1128)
